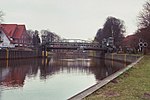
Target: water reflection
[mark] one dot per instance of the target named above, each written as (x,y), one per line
(15,73)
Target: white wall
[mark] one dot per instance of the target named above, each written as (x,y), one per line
(6,42)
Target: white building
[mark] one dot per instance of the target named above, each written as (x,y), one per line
(13,35)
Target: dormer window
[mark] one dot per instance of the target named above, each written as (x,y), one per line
(11,38)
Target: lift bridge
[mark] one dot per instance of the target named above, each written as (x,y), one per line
(73,44)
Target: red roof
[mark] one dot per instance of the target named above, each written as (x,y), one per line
(9,28)
(0,26)
(13,30)
(19,30)
(129,39)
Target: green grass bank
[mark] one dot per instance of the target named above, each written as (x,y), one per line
(131,85)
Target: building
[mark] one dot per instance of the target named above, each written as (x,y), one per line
(130,44)
(13,35)
(130,41)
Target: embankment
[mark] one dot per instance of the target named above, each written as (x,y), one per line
(117,57)
(114,56)
(121,57)
(19,54)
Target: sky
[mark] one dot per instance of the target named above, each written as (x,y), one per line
(73,19)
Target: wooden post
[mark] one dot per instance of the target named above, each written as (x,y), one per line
(125,59)
(44,53)
(36,55)
(7,53)
(112,61)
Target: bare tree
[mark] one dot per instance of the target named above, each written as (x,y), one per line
(36,38)
(30,32)
(1,16)
(144,23)
(144,16)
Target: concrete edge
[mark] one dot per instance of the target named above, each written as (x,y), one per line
(101,83)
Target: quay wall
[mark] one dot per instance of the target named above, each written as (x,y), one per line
(19,54)
(110,58)
(114,56)
(121,57)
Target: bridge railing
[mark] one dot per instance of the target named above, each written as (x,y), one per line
(75,40)
(73,44)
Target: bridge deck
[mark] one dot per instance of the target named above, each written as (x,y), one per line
(73,46)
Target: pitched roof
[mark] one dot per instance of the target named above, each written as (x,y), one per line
(9,29)
(129,39)
(13,30)
(19,30)
(0,26)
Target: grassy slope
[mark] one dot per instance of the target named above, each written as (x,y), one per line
(132,85)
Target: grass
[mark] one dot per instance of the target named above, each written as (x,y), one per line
(132,85)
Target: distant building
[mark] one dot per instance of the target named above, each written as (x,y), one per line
(13,35)
(130,41)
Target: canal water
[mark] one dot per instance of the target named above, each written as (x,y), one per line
(55,78)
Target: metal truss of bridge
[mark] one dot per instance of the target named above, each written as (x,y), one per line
(73,44)
(75,40)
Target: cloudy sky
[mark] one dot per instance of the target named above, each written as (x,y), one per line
(71,18)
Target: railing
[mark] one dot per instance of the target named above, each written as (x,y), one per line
(72,44)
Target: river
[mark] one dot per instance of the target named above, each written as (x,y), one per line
(55,78)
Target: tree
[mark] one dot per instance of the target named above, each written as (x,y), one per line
(113,27)
(30,33)
(144,35)
(99,35)
(144,16)
(1,16)
(47,36)
(144,23)
(36,39)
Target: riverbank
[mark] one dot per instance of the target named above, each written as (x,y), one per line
(19,53)
(132,85)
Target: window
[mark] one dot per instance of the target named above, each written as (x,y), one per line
(1,40)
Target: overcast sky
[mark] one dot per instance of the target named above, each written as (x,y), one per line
(71,18)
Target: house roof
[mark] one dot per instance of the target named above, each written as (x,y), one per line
(129,39)
(9,29)
(19,30)
(13,30)
(0,26)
